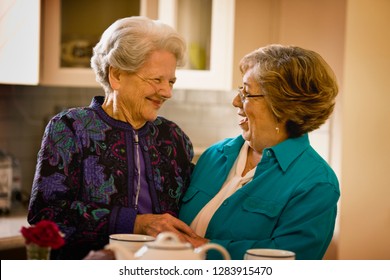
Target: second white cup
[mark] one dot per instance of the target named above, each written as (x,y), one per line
(269,254)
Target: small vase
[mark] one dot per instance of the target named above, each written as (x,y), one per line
(35,252)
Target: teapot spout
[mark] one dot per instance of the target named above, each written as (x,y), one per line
(120,252)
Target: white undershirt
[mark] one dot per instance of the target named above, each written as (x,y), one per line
(233,182)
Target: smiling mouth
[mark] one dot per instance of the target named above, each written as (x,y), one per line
(158,102)
(243,120)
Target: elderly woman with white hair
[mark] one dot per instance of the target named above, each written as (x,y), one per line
(116,166)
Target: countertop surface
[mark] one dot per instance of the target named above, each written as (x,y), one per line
(10,225)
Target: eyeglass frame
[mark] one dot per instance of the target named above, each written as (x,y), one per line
(243,97)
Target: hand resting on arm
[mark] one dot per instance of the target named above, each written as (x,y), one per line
(153,224)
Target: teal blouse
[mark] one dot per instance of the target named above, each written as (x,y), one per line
(290,204)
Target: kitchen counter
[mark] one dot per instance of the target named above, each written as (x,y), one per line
(10,225)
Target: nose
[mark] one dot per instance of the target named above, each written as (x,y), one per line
(236,102)
(165,90)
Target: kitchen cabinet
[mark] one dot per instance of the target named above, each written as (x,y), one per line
(207,26)
(70,29)
(19,41)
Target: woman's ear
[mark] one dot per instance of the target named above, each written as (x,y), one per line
(114,77)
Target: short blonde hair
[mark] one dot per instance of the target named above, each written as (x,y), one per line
(129,42)
(300,87)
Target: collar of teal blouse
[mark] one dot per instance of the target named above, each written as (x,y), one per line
(285,152)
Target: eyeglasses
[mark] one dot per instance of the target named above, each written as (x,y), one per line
(244,95)
(155,82)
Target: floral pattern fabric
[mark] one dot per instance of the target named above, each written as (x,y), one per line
(85,170)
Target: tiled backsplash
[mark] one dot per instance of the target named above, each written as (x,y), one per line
(206,116)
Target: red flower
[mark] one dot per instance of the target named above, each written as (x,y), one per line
(45,233)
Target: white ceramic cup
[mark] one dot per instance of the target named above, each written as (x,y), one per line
(130,241)
(269,254)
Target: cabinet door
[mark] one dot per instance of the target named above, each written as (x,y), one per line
(19,41)
(208,28)
(70,29)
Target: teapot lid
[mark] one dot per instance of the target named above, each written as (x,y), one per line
(168,241)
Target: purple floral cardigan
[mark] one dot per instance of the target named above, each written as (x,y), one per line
(85,169)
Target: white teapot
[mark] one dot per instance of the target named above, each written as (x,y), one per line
(167,246)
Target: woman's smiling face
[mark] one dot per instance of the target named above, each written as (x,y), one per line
(140,95)
(259,125)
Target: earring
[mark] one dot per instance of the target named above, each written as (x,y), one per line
(277,130)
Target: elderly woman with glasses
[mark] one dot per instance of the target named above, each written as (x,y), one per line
(268,188)
(115,166)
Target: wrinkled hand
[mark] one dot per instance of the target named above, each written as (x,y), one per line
(196,241)
(153,224)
